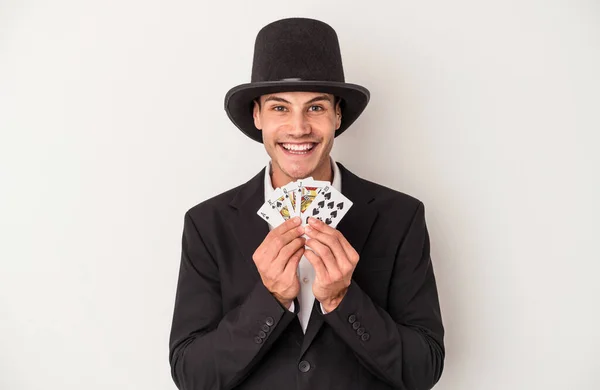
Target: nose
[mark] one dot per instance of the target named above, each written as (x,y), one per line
(299,125)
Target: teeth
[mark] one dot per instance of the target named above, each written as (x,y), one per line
(297,147)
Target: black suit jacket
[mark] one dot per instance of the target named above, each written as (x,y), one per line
(229,332)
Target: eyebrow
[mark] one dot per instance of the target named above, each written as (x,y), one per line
(315,99)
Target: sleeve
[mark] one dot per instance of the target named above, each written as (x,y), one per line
(209,349)
(402,346)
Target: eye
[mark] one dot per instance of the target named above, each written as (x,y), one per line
(278,108)
(316,108)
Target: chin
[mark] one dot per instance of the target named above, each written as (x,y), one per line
(298,171)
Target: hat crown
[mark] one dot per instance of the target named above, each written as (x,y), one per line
(297,48)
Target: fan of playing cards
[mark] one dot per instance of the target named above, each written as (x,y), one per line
(305,198)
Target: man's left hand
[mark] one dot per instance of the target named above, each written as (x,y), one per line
(334,260)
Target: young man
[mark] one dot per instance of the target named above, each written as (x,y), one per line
(349,308)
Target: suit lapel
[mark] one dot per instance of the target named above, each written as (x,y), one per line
(248,228)
(357,223)
(355,226)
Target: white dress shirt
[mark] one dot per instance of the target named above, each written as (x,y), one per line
(306,272)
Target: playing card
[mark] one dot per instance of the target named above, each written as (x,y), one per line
(270,215)
(329,206)
(280,202)
(306,198)
(310,190)
(298,194)
(290,190)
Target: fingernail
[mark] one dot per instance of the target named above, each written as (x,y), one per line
(297,219)
(307,229)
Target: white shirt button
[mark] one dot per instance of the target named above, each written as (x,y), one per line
(305,280)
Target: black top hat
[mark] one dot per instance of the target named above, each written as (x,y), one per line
(295,54)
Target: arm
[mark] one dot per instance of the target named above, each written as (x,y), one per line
(404,345)
(210,349)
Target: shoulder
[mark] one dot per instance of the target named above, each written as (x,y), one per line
(396,207)
(384,197)
(220,205)
(217,202)
(386,194)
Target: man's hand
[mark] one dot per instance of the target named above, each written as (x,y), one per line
(277,260)
(334,260)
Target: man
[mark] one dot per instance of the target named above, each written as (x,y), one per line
(304,307)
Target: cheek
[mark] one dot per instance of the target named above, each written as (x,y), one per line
(269,135)
(270,127)
(323,125)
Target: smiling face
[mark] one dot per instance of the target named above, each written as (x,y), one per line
(298,129)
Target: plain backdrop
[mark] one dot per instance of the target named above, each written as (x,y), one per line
(112,126)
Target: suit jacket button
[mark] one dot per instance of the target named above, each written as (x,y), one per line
(365,337)
(351,318)
(257,340)
(360,331)
(269,321)
(304,366)
(265,328)
(262,334)
(356,325)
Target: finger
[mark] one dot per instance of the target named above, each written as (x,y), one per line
(318,265)
(333,243)
(286,226)
(268,250)
(351,253)
(292,265)
(288,251)
(275,243)
(326,257)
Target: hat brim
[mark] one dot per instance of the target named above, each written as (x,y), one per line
(238,101)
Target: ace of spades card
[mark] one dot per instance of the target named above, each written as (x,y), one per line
(270,215)
(329,206)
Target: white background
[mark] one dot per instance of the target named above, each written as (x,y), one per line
(112,126)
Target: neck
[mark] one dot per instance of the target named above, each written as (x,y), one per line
(323,172)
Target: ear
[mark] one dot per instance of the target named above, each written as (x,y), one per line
(256,115)
(338,116)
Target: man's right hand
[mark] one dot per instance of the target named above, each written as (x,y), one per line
(277,260)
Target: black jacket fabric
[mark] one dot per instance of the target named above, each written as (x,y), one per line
(229,332)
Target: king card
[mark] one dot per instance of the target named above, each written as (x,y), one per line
(280,202)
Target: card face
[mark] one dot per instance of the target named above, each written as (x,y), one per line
(329,206)
(290,190)
(299,195)
(272,217)
(298,198)
(310,190)
(280,202)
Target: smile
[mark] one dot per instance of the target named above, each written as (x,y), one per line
(300,149)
